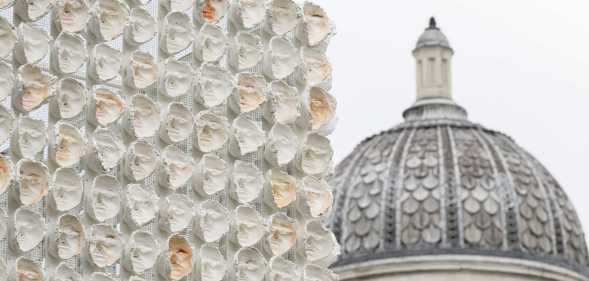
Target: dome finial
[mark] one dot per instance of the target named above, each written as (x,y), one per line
(432,23)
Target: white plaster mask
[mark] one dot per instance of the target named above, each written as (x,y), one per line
(71,15)
(284,104)
(281,269)
(211,221)
(281,58)
(33,43)
(69,52)
(210,175)
(176,213)
(281,189)
(249,265)
(141,206)
(106,107)
(99,276)
(142,27)
(140,161)
(320,109)
(107,150)
(7,80)
(177,123)
(215,84)
(6,4)
(283,234)
(320,246)
(105,246)
(67,189)
(141,71)
(176,168)
(28,230)
(210,11)
(248,226)
(143,117)
(313,272)
(103,202)
(212,265)
(248,14)
(249,94)
(30,138)
(32,10)
(315,156)
(247,181)
(176,79)
(8,38)
(7,124)
(68,238)
(70,99)
(176,33)
(176,262)
(316,25)
(316,68)
(212,131)
(247,136)
(6,174)
(105,63)
(26,270)
(281,146)
(141,252)
(108,20)
(35,87)
(210,44)
(64,272)
(283,16)
(246,50)
(176,5)
(315,197)
(68,146)
(33,181)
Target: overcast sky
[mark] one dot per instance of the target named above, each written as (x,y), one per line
(520,67)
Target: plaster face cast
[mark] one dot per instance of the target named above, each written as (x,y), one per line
(176,213)
(248,14)
(211,265)
(7,124)
(33,181)
(7,80)
(210,11)
(30,138)
(68,237)
(33,44)
(141,71)
(315,67)
(315,197)
(99,276)
(68,145)
(284,104)
(141,252)
(107,150)
(176,262)
(281,146)
(64,272)
(176,5)
(28,230)
(210,44)
(70,99)
(71,15)
(280,189)
(281,269)
(320,246)
(67,189)
(106,245)
(246,51)
(280,59)
(176,78)
(6,174)
(103,202)
(140,206)
(177,123)
(176,168)
(247,181)
(320,109)
(6,4)
(250,93)
(105,63)
(108,19)
(212,131)
(176,33)
(315,156)
(283,16)
(106,107)
(143,117)
(249,265)
(215,84)
(26,270)
(316,26)
(211,221)
(283,234)
(210,175)
(141,160)
(248,226)
(247,137)
(69,52)
(32,10)
(142,27)
(34,88)
(8,38)
(313,272)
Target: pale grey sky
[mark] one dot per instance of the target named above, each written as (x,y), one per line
(520,67)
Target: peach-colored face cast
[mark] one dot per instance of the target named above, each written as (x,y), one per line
(316,24)
(211,11)
(35,87)
(108,107)
(33,181)
(6,174)
(72,15)
(27,270)
(141,72)
(282,234)
(179,257)
(316,66)
(251,93)
(321,106)
(69,146)
(282,188)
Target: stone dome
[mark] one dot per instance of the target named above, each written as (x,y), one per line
(432,36)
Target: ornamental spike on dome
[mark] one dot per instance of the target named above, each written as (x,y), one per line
(432,23)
